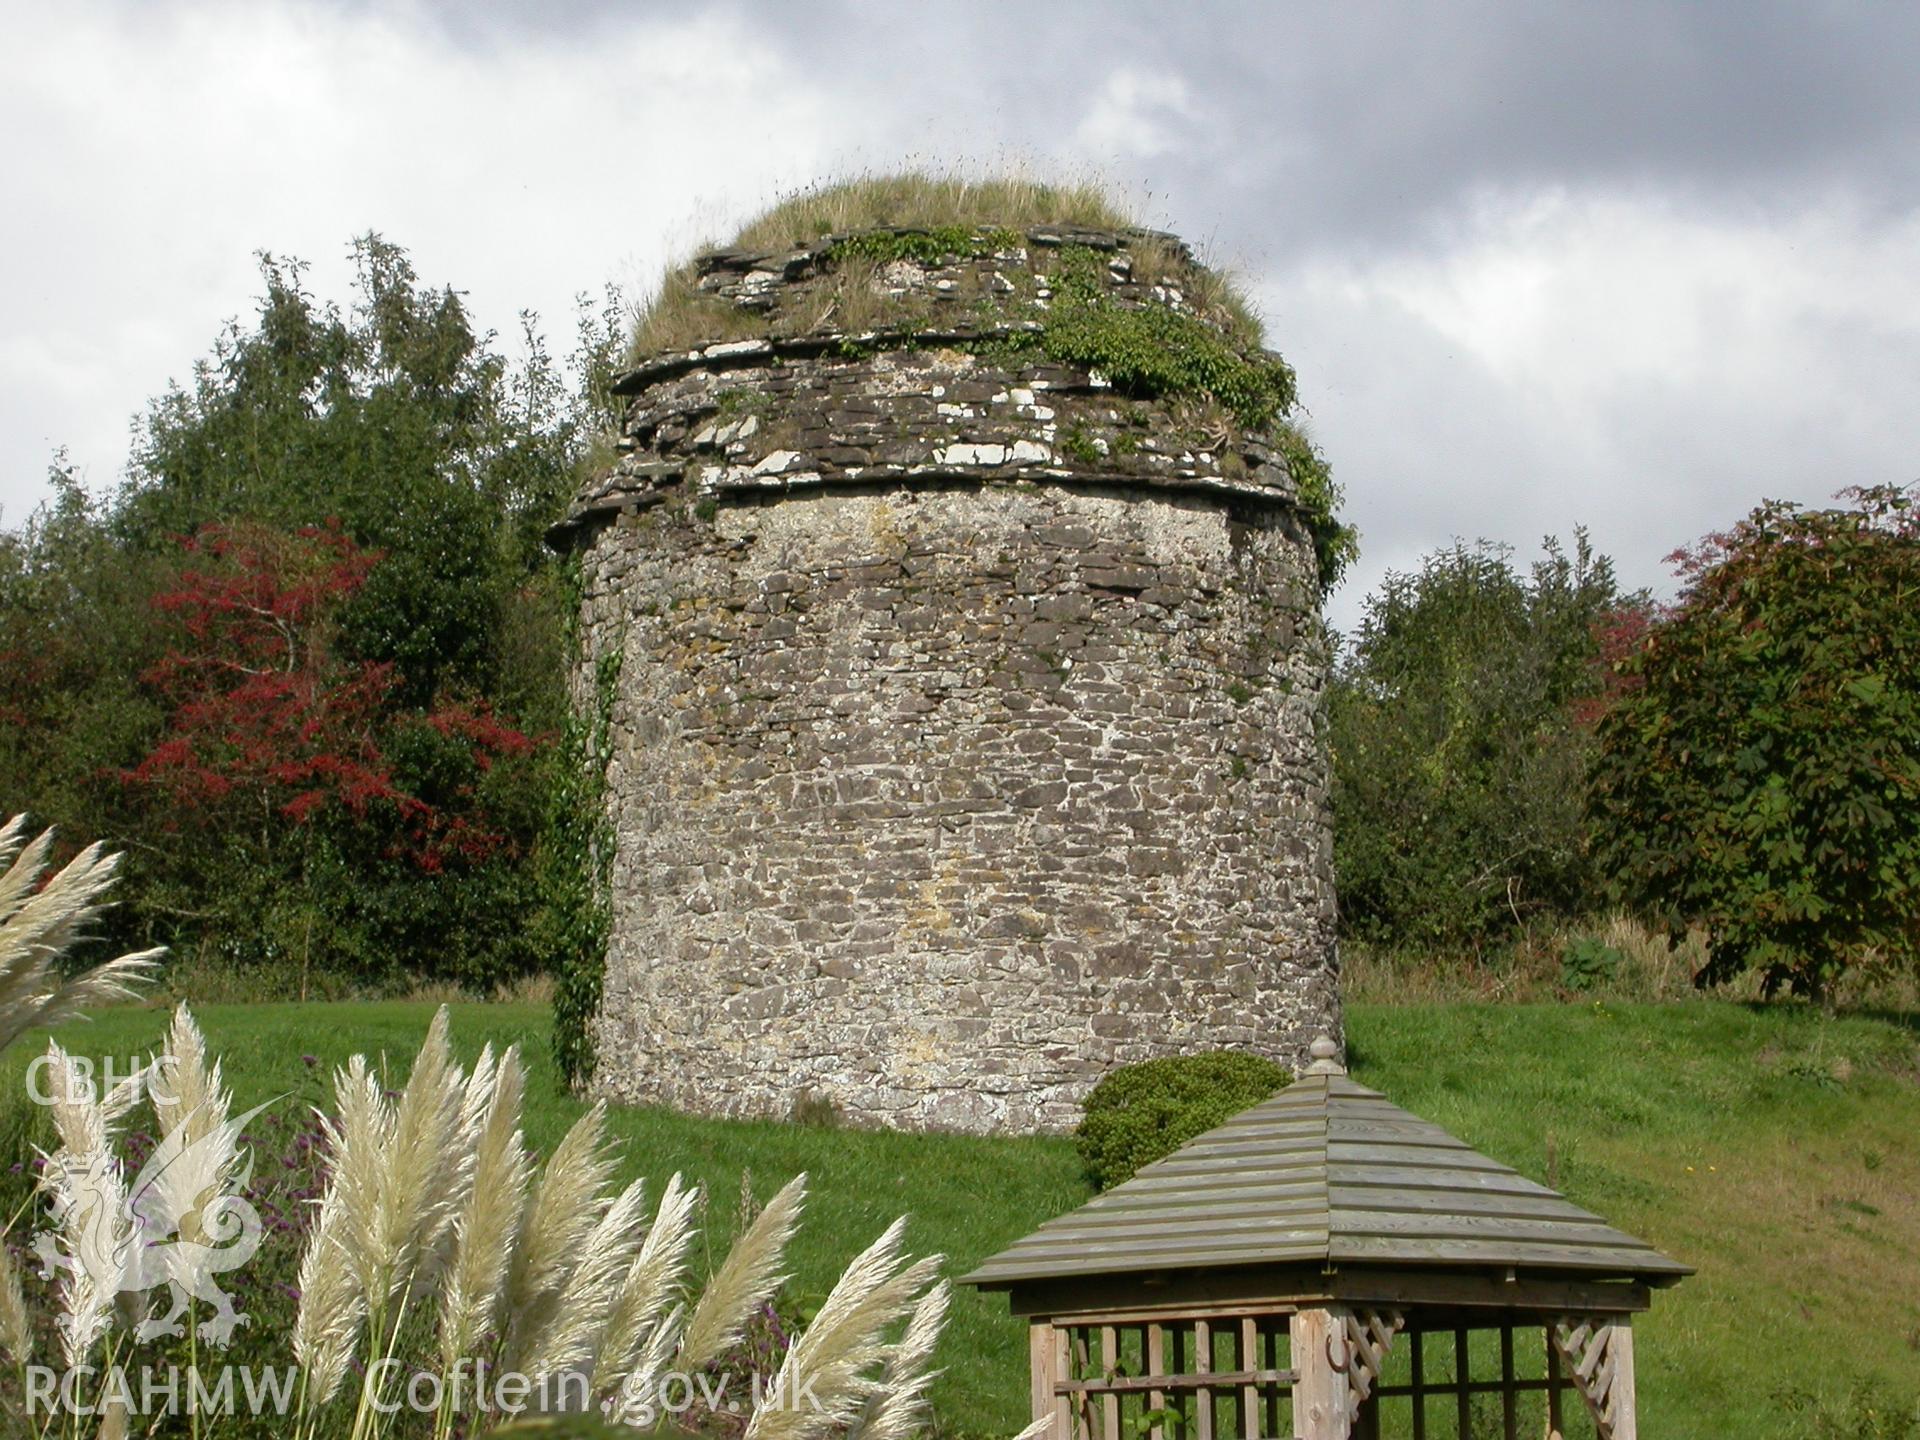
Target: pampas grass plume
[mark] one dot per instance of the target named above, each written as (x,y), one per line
(89,1195)
(571,1333)
(38,924)
(845,1343)
(487,1231)
(418,1184)
(333,1305)
(16,1326)
(898,1408)
(565,1207)
(653,1283)
(746,1279)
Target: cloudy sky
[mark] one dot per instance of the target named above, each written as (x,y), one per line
(1633,267)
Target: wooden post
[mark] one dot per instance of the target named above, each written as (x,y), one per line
(1626,1425)
(1320,1403)
(1249,1393)
(1203,1365)
(1556,1423)
(1109,1367)
(1044,1345)
(1462,1373)
(1154,1336)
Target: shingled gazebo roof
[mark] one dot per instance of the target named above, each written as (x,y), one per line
(1327,1173)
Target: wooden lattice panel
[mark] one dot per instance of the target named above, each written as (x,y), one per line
(1220,1377)
(1368,1334)
(1597,1351)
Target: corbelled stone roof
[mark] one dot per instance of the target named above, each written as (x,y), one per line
(909,393)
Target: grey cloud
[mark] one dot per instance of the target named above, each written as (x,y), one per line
(1362,135)
(1353,123)
(1359,124)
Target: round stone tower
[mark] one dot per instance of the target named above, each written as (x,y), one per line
(953,616)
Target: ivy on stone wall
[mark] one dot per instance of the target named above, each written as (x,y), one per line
(576,918)
(1157,350)
(1335,545)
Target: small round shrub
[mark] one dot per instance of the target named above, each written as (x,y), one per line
(1141,1112)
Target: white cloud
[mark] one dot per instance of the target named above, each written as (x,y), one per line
(1136,114)
(1579,297)
(152,151)
(1513,360)
(1622,361)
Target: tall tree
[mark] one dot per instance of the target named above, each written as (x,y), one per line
(396,419)
(75,636)
(1759,769)
(1458,743)
(296,666)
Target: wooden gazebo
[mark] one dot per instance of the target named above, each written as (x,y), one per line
(1327,1265)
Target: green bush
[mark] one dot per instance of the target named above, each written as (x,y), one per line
(1459,741)
(306,666)
(1758,773)
(1142,1112)
(1588,962)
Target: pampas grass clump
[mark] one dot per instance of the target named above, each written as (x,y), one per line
(40,923)
(440,1246)
(106,1224)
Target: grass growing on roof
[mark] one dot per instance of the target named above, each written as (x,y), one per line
(680,316)
(1207,345)
(924,201)
(954,212)
(1771,1147)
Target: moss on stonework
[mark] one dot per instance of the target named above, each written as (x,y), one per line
(1159,351)
(928,247)
(1184,335)
(1077,444)
(738,400)
(1155,349)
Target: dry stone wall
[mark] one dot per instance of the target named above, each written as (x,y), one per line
(964,745)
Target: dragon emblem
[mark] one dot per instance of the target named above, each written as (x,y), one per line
(154,1233)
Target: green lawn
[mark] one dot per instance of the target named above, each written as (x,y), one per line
(1775,1150)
